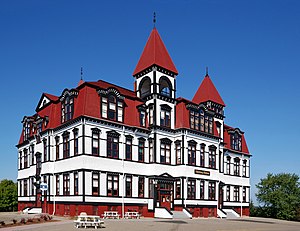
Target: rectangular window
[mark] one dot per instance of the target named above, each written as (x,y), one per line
(66,146)
(228,165)
(66,184)
(227,193)
(95,143)
(120,111)
(202,155)
(25,158)
(57,147)
(32,154)
(191,187)
(212,158)
(165,118)
(202,189)
(236,167)
(67,109)
(104,107)
(45,150)
(178,152)
(128,148)
(165,153)
(244,194)
(112,185)
(151,154)
(142,118)
(192,154)
(178,189)
(76,186)
(236,193)
(95,183)
(32,186)
(20,160)
(151,115)
(141,150)
(75,133)
(141,184)
(244,168)
(57,185)
(25,187)
(113,147)
(211,190)
(128,186)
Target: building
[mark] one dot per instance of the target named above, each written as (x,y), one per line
(102,147)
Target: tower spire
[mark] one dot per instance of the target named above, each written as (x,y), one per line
(206,71)
(154,19)
(81,73)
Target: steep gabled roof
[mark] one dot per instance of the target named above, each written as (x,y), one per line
(155,52)
(207,92)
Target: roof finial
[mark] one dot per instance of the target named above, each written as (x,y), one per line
(154,19)
(81,73)
(206,71)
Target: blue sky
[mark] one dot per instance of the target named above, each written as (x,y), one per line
(251,48)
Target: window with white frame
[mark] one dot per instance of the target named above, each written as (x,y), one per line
(151,153)
(95,183)
(178,152)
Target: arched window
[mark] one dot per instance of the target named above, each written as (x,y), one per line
(165,87)
(112,108)
(145,87)
(236,141)
(67,109)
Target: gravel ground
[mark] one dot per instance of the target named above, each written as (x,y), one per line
(148,224)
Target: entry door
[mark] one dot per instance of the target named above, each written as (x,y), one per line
(221,195)
(165,201)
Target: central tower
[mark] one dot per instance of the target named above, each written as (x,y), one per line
(155,82)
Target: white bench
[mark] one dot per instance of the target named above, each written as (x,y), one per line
(129,215)
(111,215)
(89,221)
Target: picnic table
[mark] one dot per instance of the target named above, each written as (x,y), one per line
(89,221)
(129,215)
(111,215)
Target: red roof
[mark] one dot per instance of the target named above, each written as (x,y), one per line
(155,52)
(207,92)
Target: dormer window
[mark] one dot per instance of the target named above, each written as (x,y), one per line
(26,130)
(202,121)
(165,116)
(67,109)
(112,108)
(236,141)
(142,118)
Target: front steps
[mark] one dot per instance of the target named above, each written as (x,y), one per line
(167,214)
(231,214)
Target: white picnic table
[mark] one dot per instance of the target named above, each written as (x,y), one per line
(129,215)
(89,221)
(111,215)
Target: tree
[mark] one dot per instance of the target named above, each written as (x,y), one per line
(8,196)
(279,196)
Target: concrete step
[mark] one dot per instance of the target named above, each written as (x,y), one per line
(180,215)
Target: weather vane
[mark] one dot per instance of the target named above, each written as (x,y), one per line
(154,19)
(206,71)
(81,73)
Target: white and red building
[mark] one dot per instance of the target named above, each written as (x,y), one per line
(102,147)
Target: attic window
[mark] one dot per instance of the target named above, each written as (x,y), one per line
(26,130)
(112,108)
(201,120)
(236,141)
(67,108)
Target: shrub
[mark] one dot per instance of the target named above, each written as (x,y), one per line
(14,221)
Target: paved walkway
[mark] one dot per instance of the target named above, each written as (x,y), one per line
(148,224)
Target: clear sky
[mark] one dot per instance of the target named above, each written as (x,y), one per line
(252,49)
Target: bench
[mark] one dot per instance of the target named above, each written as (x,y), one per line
(89,221)
(111,215)
(130,215)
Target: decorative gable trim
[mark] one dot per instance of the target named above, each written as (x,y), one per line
(110,90)
(67,92)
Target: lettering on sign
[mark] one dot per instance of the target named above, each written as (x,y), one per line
(201,172)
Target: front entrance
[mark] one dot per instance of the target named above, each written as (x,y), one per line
(165,194)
